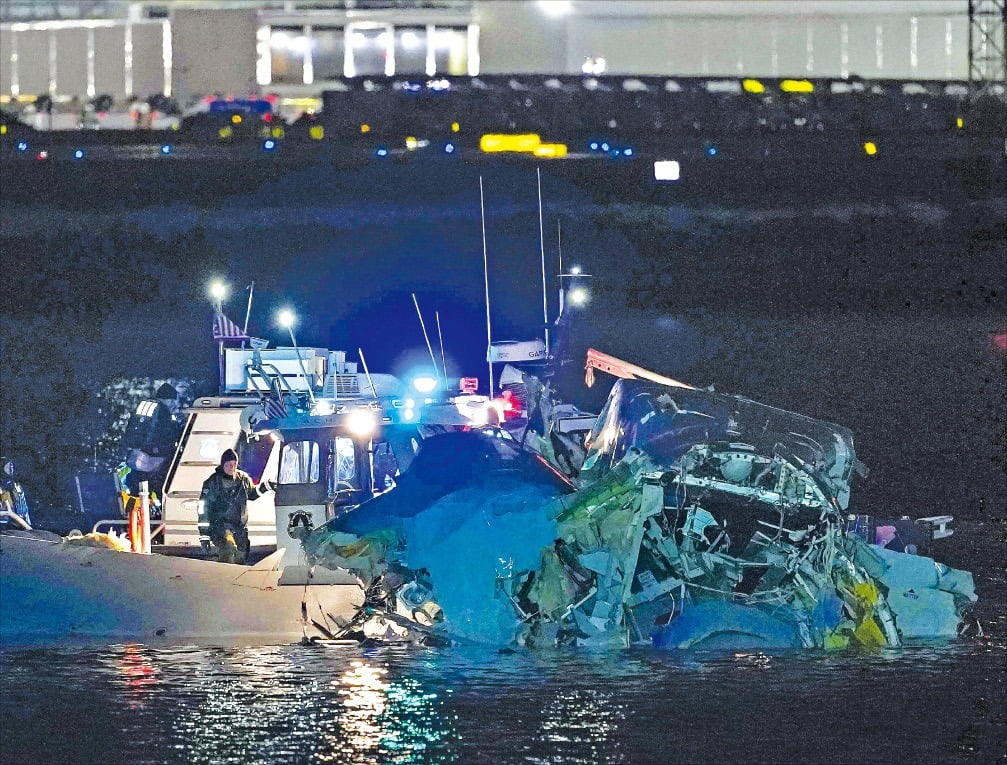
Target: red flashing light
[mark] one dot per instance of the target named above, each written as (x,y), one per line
(271,98)
(999,340)
(267,117)
(508,406)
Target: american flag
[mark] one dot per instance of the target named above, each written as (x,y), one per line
(225,329)
(274,407)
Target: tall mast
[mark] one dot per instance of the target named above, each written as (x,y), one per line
(541,244)
(486,283)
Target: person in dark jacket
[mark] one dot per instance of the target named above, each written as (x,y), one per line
(224,499)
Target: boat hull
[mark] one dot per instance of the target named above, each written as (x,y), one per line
(52,590)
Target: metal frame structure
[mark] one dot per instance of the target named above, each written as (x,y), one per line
(987,48)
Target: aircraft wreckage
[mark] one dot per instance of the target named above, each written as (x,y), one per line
(685,519)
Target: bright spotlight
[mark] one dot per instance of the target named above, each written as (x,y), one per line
(79,154)
(361,422)
(425,383)
(218,291)
(286,318)
(575,270)
(578,296)
(555,8)
(323,408)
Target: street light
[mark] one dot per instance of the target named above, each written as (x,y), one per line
(286,319)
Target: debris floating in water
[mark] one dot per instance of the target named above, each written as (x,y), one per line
(691,519)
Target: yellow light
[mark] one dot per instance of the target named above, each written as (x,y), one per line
(497,142)
(870,148)
(174,126)
(365,128)
(753,86)
(225,132)
(959,122)
(3,130)
(797,86)
(411,142)
(550,150)
(455,127)
(277,132)
(317,132)
(236,119)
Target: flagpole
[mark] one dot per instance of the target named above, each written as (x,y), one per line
(486,282)
(541,244)
(248,311)
(219,313)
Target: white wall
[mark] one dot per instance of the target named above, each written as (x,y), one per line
(831,38)
(213,51)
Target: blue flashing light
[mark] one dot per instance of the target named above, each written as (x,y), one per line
(382,151)
(627,152)
(449,148)
(269,144)
(79,154)
(615,153)
(22,146)
(711,151)
(166,149)
(605,146)
(593,146)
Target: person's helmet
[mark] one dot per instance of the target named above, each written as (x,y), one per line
(8,467)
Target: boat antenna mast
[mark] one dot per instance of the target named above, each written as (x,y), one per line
(486,283)
(541,245)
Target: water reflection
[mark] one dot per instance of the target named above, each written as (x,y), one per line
(390,721)
(140,675)
(290,704)
(582,725)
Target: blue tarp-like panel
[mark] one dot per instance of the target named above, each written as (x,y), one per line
(717,624)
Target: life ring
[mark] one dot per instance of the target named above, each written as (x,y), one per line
(135,528)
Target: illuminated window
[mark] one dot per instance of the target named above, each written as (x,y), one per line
(342,480)
(410,50)
(299,462)
(328,53)
(451,50)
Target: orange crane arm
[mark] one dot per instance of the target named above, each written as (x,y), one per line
(623,369)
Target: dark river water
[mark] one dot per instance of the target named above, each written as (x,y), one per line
(872,308)
(140,703)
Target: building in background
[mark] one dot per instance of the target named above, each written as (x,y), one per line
(188,48)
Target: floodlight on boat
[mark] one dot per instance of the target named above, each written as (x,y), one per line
(323,408)
(579,296)
(218,291)
(361,422)
(425,383)
(286,318)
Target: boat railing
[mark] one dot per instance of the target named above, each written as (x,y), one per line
(123,522)
(16,518)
